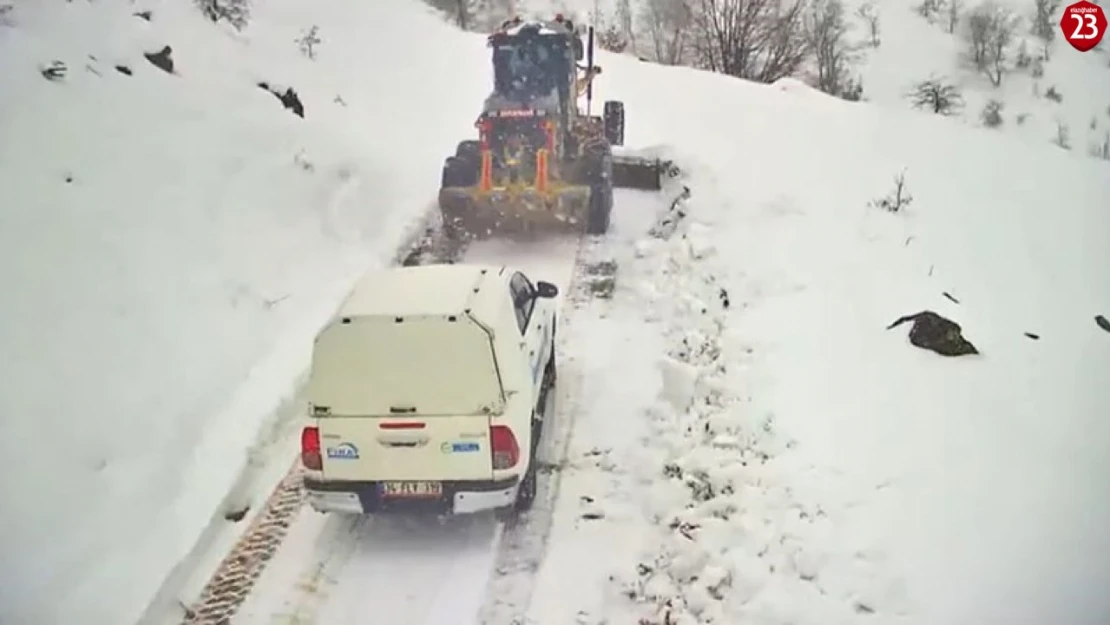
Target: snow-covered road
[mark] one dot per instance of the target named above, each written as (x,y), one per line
(331,569)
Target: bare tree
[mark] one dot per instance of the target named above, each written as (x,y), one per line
(870,17)
(929,8)
(666,24)
(989,33)
(623,15)
(308,41)
(955,9)
(1101,149)
(1043,26)
(1063,136)
(827,29)
(476,15)
(235,12)
(991,115)
(761,40)
(898,198)
(935,95)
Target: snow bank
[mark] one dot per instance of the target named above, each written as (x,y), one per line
(807,465)
(171,242)
(988,466)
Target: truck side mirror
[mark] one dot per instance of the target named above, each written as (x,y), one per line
(546,289)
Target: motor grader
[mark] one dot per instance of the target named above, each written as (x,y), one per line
(540,163)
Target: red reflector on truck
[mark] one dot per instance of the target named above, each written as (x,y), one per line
(504,449)
(310,449)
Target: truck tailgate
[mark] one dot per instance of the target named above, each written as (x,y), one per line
(406,448)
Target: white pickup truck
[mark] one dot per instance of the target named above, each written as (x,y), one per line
(428,391)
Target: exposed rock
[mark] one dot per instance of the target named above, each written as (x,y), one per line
(161,59)
(935,333)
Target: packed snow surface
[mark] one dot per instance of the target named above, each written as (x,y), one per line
(173,242)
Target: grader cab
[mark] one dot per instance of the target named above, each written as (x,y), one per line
(540,163)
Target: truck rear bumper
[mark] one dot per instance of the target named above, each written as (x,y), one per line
(459,497)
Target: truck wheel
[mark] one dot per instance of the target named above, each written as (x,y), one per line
(526,495)
(452,167)
(613,115)
(469,153)
(601,208)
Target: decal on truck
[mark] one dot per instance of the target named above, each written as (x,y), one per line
(343,451)
(460,447)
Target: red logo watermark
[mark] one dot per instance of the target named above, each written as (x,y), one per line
(1083,24)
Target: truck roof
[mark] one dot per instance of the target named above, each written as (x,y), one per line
(442,289)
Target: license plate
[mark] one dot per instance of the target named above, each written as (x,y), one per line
(412,489)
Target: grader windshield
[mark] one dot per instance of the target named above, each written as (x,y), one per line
(530,65)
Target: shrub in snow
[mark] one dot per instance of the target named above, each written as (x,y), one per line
(989,33)
(235,12)
(6,14)
(1037,70)
(1053,94)
(897,199)
(666,25)
(1023,60)
(1063,136)
(612,39)
(992,114)
(1101,149)
(1043,24)
(929,8)
(308,41)
(870,17)
(936,96)
(936,333)
(143,15)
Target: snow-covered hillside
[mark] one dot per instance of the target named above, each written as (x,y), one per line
(749,442)
(1063,100)
(170,244)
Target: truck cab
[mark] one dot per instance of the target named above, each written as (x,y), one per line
(427,392)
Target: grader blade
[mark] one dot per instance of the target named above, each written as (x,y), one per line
(632,172)
(479,214)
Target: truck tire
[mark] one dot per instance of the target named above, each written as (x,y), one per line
(469,153)
(601,208)
(598,174)
(450,176)
(613,115)
(526,494)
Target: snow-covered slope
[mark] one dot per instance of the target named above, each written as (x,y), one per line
(912,48)
(170,244)
(165,295)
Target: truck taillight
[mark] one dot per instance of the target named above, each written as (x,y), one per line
(310,449)
(504,449)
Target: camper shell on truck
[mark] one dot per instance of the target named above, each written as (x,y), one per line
(427,392)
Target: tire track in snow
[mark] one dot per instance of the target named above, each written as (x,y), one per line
(525,538)
(524,545)
(234,578)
